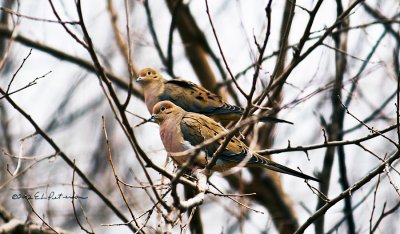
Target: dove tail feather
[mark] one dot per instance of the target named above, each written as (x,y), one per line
(280,168)
(274,120)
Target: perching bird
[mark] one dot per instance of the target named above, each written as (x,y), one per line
(189,96)
(181,130)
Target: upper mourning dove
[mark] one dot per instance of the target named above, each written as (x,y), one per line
(189,96)
(181,131)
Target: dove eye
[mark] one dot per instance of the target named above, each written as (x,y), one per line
(148,73)
(162,109)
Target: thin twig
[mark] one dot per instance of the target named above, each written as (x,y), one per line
(44,222)
(10,11)
(326,144)
(19,68)
(384,214)
(64,25)
(119,81)
(374,203)
(222,53)
(369,128)
(321,211)
(66,159)
(32,83)
(73,202)
(115,173)
(236,201)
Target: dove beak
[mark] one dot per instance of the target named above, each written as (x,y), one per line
(152,118)
(140,78)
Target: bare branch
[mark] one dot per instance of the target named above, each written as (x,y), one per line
(321,211)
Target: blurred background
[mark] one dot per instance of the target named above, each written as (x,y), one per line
(330,67)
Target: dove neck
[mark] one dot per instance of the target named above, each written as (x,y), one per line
(169,132)
(154,89)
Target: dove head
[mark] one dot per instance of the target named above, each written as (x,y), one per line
(165,110)
(149,75)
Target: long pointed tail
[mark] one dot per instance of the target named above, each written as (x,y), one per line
(280,168)
(269,164)
(274,120)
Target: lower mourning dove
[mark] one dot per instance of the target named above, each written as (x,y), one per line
(189,96)
(181,130)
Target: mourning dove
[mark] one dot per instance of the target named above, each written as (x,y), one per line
(189,96)
(181,131)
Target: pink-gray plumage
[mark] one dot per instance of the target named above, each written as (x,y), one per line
(181,130)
